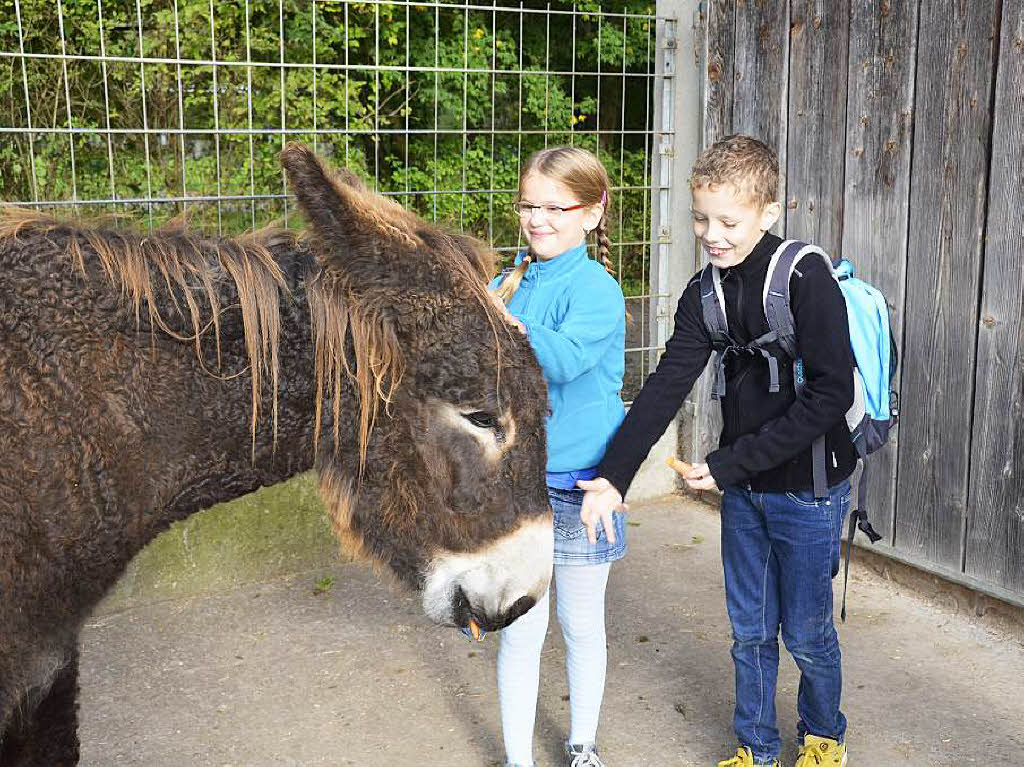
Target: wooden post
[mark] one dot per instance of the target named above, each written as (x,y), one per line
(879,124)
(956,44)
(761,80)
(716,63)
(995,531)
(819,36)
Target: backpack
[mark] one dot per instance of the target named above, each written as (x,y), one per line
(875,406)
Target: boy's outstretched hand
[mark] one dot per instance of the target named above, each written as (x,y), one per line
(699,477)
(600,499)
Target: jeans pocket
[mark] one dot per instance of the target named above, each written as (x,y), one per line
(568,527)
(804,498)
(566,506)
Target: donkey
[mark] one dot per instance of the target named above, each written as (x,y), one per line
(143,378)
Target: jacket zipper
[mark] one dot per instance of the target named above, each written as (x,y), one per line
(529,295)
(739,400)
(739,324)
(739,302)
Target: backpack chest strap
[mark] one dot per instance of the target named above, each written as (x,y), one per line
(712,304)
(754,347)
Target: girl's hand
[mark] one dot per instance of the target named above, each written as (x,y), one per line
(600,499)
(509,318)
(699,478)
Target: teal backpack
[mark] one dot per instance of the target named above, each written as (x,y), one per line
(875,406)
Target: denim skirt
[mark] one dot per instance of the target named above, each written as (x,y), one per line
(571,544)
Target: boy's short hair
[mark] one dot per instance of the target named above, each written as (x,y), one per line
(742,161)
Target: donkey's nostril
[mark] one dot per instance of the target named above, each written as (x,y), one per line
(461,609)
(518,608)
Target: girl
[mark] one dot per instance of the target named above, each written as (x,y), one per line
(573,313)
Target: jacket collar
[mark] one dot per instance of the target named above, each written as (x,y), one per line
(559,266)
(758,258)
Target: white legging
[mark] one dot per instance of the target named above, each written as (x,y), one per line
(579,601)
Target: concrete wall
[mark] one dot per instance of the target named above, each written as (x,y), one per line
(275,531)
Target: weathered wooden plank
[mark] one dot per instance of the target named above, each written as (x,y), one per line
(879,124)
(819,32)
(752,35)
(995,525)
(719,56)
(761,87)
(947,217)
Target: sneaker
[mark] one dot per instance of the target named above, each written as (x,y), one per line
(817,751)
(584,755)
(744,758)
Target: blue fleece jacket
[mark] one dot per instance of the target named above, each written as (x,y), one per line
(575,317)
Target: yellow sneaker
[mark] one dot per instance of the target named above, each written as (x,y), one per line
(744,758)
(817,751)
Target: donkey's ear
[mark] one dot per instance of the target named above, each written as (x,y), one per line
(347,220)
(481,259)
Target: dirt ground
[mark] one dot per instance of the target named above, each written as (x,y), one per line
(352,673)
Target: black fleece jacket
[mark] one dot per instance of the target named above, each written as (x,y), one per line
(766,438)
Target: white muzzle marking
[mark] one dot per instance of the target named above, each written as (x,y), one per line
(494,578)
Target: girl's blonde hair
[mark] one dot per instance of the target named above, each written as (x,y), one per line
(583,174)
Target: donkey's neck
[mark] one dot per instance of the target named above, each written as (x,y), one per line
(219,445)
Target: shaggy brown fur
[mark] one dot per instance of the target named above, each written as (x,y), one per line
(140,266)
(134,372)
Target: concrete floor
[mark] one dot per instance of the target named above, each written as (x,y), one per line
(276,674)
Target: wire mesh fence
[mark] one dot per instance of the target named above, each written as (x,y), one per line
(158,107)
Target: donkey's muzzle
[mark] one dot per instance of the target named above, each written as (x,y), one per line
(495,584)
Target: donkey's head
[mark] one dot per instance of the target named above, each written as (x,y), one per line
(435,467)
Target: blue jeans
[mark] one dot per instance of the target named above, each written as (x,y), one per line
(571,544)
(780,552)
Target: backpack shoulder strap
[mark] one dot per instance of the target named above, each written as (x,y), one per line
(779,314)
(712,303)
(777,309)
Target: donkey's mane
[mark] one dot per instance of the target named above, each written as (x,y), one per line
(191,266)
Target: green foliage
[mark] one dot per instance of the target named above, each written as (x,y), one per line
(323,586)
(438,105)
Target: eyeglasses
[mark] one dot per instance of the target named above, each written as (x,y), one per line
(551,212)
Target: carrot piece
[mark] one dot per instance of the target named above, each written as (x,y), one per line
(473,627)
(681,467)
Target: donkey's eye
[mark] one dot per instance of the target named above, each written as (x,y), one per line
(481,419)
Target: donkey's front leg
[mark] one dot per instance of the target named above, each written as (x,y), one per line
(48,735)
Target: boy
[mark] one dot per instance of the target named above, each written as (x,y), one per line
(780,544)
